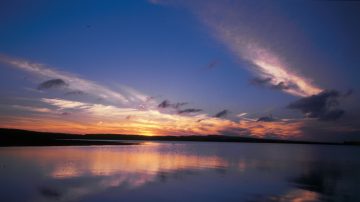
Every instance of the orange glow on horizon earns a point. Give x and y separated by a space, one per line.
183 126
107 119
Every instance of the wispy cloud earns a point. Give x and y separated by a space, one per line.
242 114
128 112
264 62
64 104
73 82
32 108
232 24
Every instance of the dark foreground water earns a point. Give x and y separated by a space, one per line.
181 172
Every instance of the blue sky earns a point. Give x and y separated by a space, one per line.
253 57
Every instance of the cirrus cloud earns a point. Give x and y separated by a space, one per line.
58 78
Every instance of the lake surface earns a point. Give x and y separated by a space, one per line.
181 171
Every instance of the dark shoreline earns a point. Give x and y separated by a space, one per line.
63 143
16 137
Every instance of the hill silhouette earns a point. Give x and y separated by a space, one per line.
17 137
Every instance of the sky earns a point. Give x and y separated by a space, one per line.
266 69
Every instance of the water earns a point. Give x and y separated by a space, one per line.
176 171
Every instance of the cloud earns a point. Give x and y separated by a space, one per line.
32 109
260 81
176 107
234 24
52 83
85 117
167 104
221 113
190 110
269 67
75 83
268 82
266 119
323 106
242 114
64 104
279 129
89 111
164 104
122 120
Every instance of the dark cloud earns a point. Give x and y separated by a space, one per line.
323 106
52 83
266 119
260 81
190 110
221 114
167 104
268 82
177 107
199 120
164 104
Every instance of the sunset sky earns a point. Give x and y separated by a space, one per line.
269 69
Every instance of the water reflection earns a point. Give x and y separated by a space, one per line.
180 172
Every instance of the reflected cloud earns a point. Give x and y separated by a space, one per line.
294 172
109 161
296 196
100 168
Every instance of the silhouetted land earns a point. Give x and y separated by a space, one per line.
16 137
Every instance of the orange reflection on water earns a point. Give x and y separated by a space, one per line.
67 162
297 195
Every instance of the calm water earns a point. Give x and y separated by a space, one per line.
181 172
